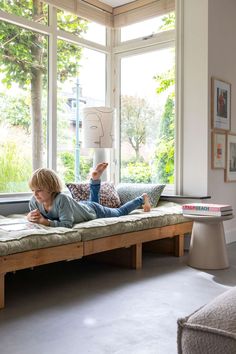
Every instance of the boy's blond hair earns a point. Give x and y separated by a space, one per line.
45 179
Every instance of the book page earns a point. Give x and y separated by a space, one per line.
18 225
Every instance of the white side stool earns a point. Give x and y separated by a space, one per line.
207 247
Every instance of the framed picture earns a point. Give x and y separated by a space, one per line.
218 150
220 104
230 172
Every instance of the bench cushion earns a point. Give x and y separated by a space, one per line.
211 329
167 213
35 238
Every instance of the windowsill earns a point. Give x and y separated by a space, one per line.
25 199
174 196
15 200
18 198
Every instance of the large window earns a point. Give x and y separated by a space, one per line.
147 117
147 110
53 64
27 107
23 103
85 87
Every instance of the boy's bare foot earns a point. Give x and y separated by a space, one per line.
100 168
146 205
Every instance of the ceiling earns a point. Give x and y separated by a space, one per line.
116 3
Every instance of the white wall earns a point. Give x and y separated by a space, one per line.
222 64
195 97
209 50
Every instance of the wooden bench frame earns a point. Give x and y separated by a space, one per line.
132 240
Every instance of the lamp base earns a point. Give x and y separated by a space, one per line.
98 157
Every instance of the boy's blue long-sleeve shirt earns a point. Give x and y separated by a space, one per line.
65 211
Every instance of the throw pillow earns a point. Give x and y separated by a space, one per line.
108 194
129 191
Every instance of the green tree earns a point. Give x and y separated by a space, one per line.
15 112
165 80
24 54
68 160
164 155
136 172
168 21
164 161
136 114
11 163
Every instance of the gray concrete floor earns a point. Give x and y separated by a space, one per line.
81 307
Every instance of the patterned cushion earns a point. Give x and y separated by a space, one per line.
129 191
108 194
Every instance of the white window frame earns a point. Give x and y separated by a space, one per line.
124 49
53 35
114 51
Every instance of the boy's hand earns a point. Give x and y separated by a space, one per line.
42 220
36 217
33 215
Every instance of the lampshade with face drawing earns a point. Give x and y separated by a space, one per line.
98 127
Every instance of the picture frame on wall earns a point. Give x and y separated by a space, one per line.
218 141
230 171
221 104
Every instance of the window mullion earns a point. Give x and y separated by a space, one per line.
52 91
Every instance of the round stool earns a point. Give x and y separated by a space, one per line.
207 247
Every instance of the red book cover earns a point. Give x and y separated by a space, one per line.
206 207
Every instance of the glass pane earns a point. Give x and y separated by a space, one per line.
23 102
148 27
33 10
147 117
95 33
84 83
82 28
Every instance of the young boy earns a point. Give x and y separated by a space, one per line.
50 207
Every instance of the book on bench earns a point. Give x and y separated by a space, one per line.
18 225
207 209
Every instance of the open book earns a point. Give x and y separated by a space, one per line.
17 225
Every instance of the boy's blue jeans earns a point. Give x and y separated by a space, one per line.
105 212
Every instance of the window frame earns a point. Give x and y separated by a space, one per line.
53 35
121 50
114 51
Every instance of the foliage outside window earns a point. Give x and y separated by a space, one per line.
148 115
23 101
34 10
147 129
88 30
73 161
23 93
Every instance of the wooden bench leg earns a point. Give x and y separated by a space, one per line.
136 256
179 245
2 290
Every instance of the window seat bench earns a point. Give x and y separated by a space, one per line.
32 247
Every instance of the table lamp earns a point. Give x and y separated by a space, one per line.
98 132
